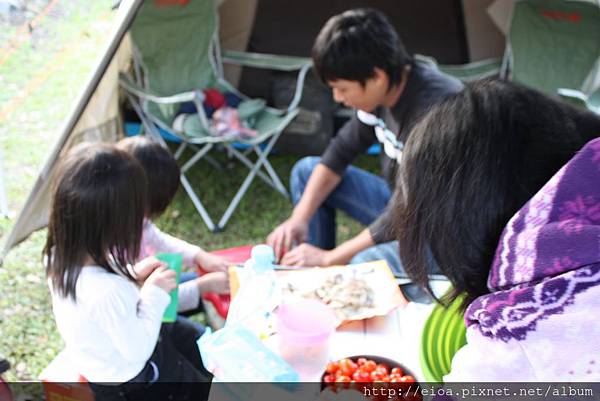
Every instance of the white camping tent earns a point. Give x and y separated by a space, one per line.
95 115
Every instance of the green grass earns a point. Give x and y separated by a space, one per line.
28 336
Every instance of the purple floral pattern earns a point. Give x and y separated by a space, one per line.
548 253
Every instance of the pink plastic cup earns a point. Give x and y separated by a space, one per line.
304 327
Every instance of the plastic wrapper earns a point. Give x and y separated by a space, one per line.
221 352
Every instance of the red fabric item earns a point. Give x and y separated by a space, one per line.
213 98
238 254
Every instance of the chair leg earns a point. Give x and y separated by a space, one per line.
196 157
208 158
242 158
278 184
199 206
180 149
262 157
238 196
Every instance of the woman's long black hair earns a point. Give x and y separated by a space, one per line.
97 211
469 166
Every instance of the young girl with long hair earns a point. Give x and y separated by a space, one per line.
110 317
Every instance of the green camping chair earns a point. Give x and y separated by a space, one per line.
176 56
554 46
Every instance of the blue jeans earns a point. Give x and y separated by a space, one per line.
362 196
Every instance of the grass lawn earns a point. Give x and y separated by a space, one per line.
41 77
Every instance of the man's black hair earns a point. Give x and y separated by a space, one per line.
351 44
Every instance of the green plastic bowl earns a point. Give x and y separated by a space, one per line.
444 333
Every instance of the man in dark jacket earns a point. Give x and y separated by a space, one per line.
360 56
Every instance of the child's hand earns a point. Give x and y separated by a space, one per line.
145 267
164 278
217 282
211 263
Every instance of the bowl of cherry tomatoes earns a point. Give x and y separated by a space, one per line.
371 374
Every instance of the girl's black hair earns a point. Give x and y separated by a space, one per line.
469 166
351 44
97 211
161 171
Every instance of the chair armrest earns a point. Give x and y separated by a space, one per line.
274 62
466 72
267 61
578 98
473 71
127 84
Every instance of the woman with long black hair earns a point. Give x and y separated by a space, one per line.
494 157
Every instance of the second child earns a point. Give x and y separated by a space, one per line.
163 173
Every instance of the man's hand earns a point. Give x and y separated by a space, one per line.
145 267
306 255
286 234
211 263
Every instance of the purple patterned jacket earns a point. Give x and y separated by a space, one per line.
541 321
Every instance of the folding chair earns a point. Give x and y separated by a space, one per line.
177 55
554 46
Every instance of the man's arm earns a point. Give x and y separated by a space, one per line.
351 140
295 229
320 184
344 252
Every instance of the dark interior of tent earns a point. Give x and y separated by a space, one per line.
434 28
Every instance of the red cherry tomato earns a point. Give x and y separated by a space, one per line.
362 377
407 379
347 367
344 380
329 379
377 375
361 361
370 366
332 367
397 371
383 368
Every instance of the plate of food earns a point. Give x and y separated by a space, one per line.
353 292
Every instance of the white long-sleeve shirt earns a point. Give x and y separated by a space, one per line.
155 241
112 329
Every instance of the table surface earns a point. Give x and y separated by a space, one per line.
396 336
